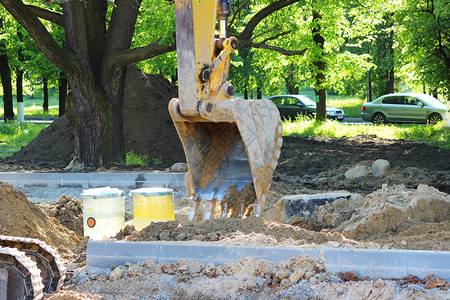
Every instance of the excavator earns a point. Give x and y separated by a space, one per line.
231 145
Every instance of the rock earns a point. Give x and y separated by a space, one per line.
182 266
165 235
179 167
116 274
150 264
333 244
380 168
372 245
181 237
136 270
282 274
357 172
212 236
168 268
305 205
296 276
433 282
350 276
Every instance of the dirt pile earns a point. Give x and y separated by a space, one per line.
394 209
298 278
68 211
27 220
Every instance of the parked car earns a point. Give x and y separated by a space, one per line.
404 108
292 105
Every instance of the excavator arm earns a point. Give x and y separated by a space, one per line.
229 143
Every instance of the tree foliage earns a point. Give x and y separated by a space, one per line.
425 38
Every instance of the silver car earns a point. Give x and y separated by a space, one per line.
404 108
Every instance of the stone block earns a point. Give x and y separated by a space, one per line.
303 206
357 172
380 168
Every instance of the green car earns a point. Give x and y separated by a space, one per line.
404 108
292 105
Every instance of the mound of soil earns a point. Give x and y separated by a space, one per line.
234 231
68 211
27 220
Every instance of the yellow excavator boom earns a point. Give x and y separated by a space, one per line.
229 143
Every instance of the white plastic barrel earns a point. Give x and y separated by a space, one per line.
103 212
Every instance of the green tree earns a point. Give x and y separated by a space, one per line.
96 51
425 36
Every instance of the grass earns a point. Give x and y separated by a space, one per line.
435 135
14 136
33 107
141 159
351 106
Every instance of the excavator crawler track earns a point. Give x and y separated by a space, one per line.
45 257
24 279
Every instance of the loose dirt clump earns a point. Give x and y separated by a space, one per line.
238 203
22 218
72 295
68 211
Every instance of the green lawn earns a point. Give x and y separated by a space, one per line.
14 136
434 135
33 107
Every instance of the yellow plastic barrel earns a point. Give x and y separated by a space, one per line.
103 212
152 205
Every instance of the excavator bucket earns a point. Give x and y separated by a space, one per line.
231 145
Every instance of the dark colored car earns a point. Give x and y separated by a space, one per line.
292 105
404 108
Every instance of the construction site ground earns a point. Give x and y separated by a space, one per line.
408 208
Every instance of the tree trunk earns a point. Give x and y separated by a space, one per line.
19 72
95 102
435 93
5 72
320 66
390 81
245 93
369 86
62 93
258 93
290 87
45 90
